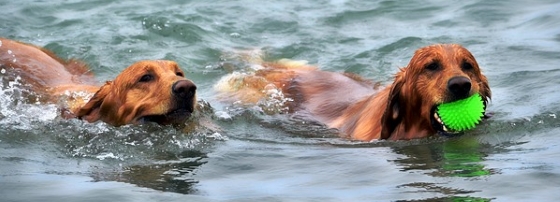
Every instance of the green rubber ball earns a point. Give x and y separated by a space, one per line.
462 114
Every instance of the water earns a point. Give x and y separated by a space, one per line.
512 157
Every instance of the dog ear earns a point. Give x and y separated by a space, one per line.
98 106
394 110
486 94
485 91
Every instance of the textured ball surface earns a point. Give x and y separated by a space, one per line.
462 114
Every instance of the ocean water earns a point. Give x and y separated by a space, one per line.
511 157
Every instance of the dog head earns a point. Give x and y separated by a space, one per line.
147 91
436 74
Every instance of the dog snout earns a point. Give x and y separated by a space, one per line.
459 87
184 89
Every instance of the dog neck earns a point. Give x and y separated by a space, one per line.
72 97
361 121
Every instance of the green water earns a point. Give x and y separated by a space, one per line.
512 157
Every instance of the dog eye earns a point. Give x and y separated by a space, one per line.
180 74
146 78
466 66
433 66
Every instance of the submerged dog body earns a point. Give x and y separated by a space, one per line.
147 91
403 110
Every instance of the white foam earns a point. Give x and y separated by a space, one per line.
223 115
106 155
218 136
235 34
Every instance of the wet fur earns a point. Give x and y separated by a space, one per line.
354 105
122 101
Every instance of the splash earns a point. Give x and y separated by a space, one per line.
243 66
19 107
274 101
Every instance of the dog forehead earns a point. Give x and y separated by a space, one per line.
445 53
153 65
438 51
457 51
167 64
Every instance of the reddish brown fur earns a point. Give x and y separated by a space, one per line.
353 105
124 100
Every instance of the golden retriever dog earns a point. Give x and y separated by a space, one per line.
359 108
147 91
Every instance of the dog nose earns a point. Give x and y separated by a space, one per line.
459 86
184 89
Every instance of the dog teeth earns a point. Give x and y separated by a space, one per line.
436 116
445 129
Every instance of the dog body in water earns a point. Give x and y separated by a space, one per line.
405 109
